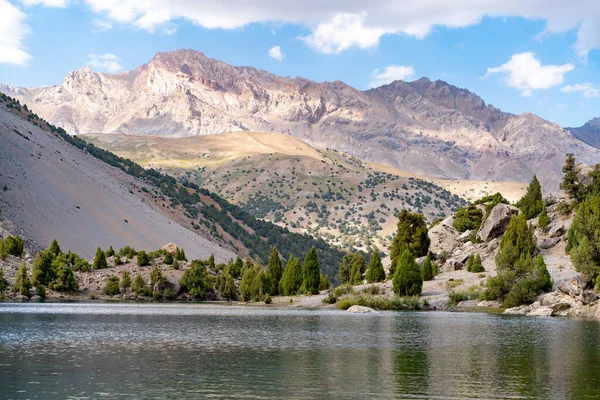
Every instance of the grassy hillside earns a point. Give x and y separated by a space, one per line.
279 178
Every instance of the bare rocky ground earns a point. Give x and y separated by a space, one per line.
50 189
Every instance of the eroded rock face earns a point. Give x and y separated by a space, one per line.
170 248
444 237
497 222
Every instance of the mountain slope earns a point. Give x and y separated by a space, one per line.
282 179
588 133
53 190
424 127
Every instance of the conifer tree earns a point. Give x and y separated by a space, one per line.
112 286
110 252
358 268
260 285
274 271
194 279
407 279
168 259
532 204
65 278
3 252
292 278
544 219
3 281
54 249
125 282
138 284
570 183
247 283
229 291
311 272
43 271
142 258
211 261
411 235
427 270
100 260
175 264
236 272
22 282
375 272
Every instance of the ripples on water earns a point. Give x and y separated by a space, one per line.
156 351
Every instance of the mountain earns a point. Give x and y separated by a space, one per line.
425 127
588 133
58 186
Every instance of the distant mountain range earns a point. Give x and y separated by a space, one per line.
424 127
588 133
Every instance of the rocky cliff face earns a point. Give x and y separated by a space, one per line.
424 127
588 133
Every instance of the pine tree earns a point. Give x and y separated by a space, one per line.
407 277
247 283
157 279
260 285
168 259
274 271
3 281
544 219
411 235
3 252
375 272
100 260
112 286
43 271
125 282
138 284
427 270
476 265
175 264
236 272
180 255
359 266
110 252
470 262
311 272
532 204
54 249
517 240
194 279
65 278
292 278
142 258
211 262
22 282
570 183
229 291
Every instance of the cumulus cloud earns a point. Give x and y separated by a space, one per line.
107 62
12 33
391 73
526 73
588 90
337 25
275 52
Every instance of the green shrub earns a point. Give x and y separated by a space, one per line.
3 281
22 282
40 290
65 279
375 272
544 219
268 299
13 245
583 244
125 282
193 279
112 286
142 259
138 284
168 259
474 264
407 279
468 218
454 298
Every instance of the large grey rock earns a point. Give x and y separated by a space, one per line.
541 311
557 230
443 237
497 222
573 287
549 243
453 265
360 309
464 237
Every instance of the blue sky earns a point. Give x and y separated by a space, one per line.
541 58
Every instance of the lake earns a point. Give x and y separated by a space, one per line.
194 351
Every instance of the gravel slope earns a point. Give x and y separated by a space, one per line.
57 191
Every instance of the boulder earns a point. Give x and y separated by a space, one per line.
541 311
549 243
490 304
452 265
443 237
420 261
497 222
587 297
557 230
573 287
464 237
360 309
170 248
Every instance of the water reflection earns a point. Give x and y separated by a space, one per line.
54 351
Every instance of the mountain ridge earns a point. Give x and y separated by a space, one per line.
426 127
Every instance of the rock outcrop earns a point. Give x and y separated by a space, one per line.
497 222
360 309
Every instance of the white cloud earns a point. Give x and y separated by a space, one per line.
342 32
337 25
526 73
46 3
275 52
389 74
102 24
107 62
12 33
589 90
